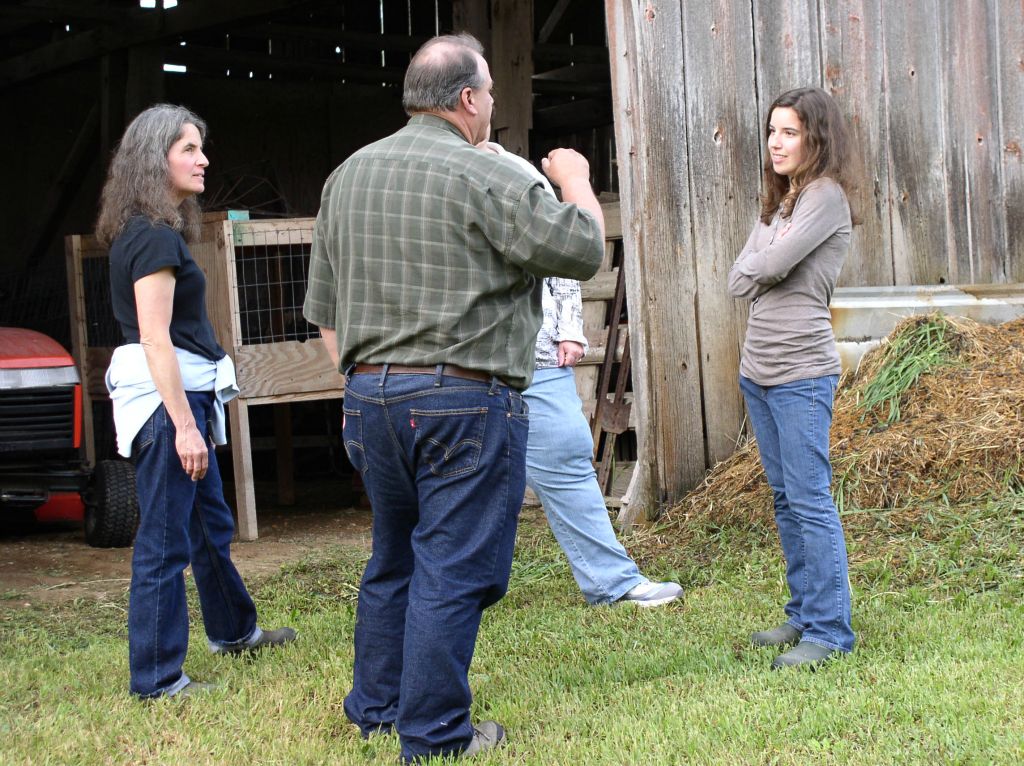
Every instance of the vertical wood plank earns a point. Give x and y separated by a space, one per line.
723 131
645 48
471 16
854 74
787 42
241 459
972 150
916 124
511 63
1010 41
285 453
77 318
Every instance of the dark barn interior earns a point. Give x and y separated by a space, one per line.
289 88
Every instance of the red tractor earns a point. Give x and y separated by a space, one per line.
41 465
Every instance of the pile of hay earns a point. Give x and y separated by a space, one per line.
936 413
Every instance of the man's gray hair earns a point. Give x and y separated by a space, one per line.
438 72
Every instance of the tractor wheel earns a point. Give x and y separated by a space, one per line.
112 510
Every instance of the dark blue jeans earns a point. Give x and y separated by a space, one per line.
443 462
791 423
180 521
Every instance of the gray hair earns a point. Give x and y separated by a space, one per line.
438 72
138 182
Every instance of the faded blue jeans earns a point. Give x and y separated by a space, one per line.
180 522
560 470
791 423
443 462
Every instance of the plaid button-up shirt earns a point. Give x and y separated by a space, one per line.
429 251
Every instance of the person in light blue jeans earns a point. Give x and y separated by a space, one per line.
559 467
790 366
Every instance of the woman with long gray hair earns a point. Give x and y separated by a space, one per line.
168 385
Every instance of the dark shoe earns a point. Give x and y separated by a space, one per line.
487 735
784 635
803 655
192 688
277 637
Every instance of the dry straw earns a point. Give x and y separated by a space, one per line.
936 413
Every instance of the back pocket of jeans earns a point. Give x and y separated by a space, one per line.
352 433
450 441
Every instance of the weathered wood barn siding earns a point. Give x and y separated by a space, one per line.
935 95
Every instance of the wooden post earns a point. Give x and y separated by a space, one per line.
511 62
241 456
648 91
471 16
285 453
79 338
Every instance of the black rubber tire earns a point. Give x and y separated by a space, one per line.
112 509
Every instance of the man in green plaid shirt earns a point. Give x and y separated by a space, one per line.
425 279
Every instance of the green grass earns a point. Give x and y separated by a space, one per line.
935 679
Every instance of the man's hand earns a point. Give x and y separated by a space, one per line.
564 166
569 353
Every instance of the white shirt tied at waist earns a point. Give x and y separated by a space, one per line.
135 398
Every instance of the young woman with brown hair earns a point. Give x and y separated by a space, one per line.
790 366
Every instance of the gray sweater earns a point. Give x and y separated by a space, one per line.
789 269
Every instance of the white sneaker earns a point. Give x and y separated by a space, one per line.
650 593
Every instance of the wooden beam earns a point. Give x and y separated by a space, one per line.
64 187
581 114
63 12
556 54
553 20
362 40
145 28
512 70
472 16
196 56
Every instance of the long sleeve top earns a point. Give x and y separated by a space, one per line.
788 269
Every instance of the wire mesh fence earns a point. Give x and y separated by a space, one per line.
271 269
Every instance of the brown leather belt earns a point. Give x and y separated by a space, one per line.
452 370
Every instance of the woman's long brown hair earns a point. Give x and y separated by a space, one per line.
826 148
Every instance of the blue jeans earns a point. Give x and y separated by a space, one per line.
560 470
791 423
443 462
180 521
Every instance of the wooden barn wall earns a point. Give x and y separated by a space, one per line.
935 96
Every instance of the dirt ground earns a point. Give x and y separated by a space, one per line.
53 564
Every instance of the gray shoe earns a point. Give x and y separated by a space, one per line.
487 735
276 637
192 688
784 635
803 655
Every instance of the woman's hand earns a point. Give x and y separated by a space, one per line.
192 451
569 353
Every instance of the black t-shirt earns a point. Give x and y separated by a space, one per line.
143 248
